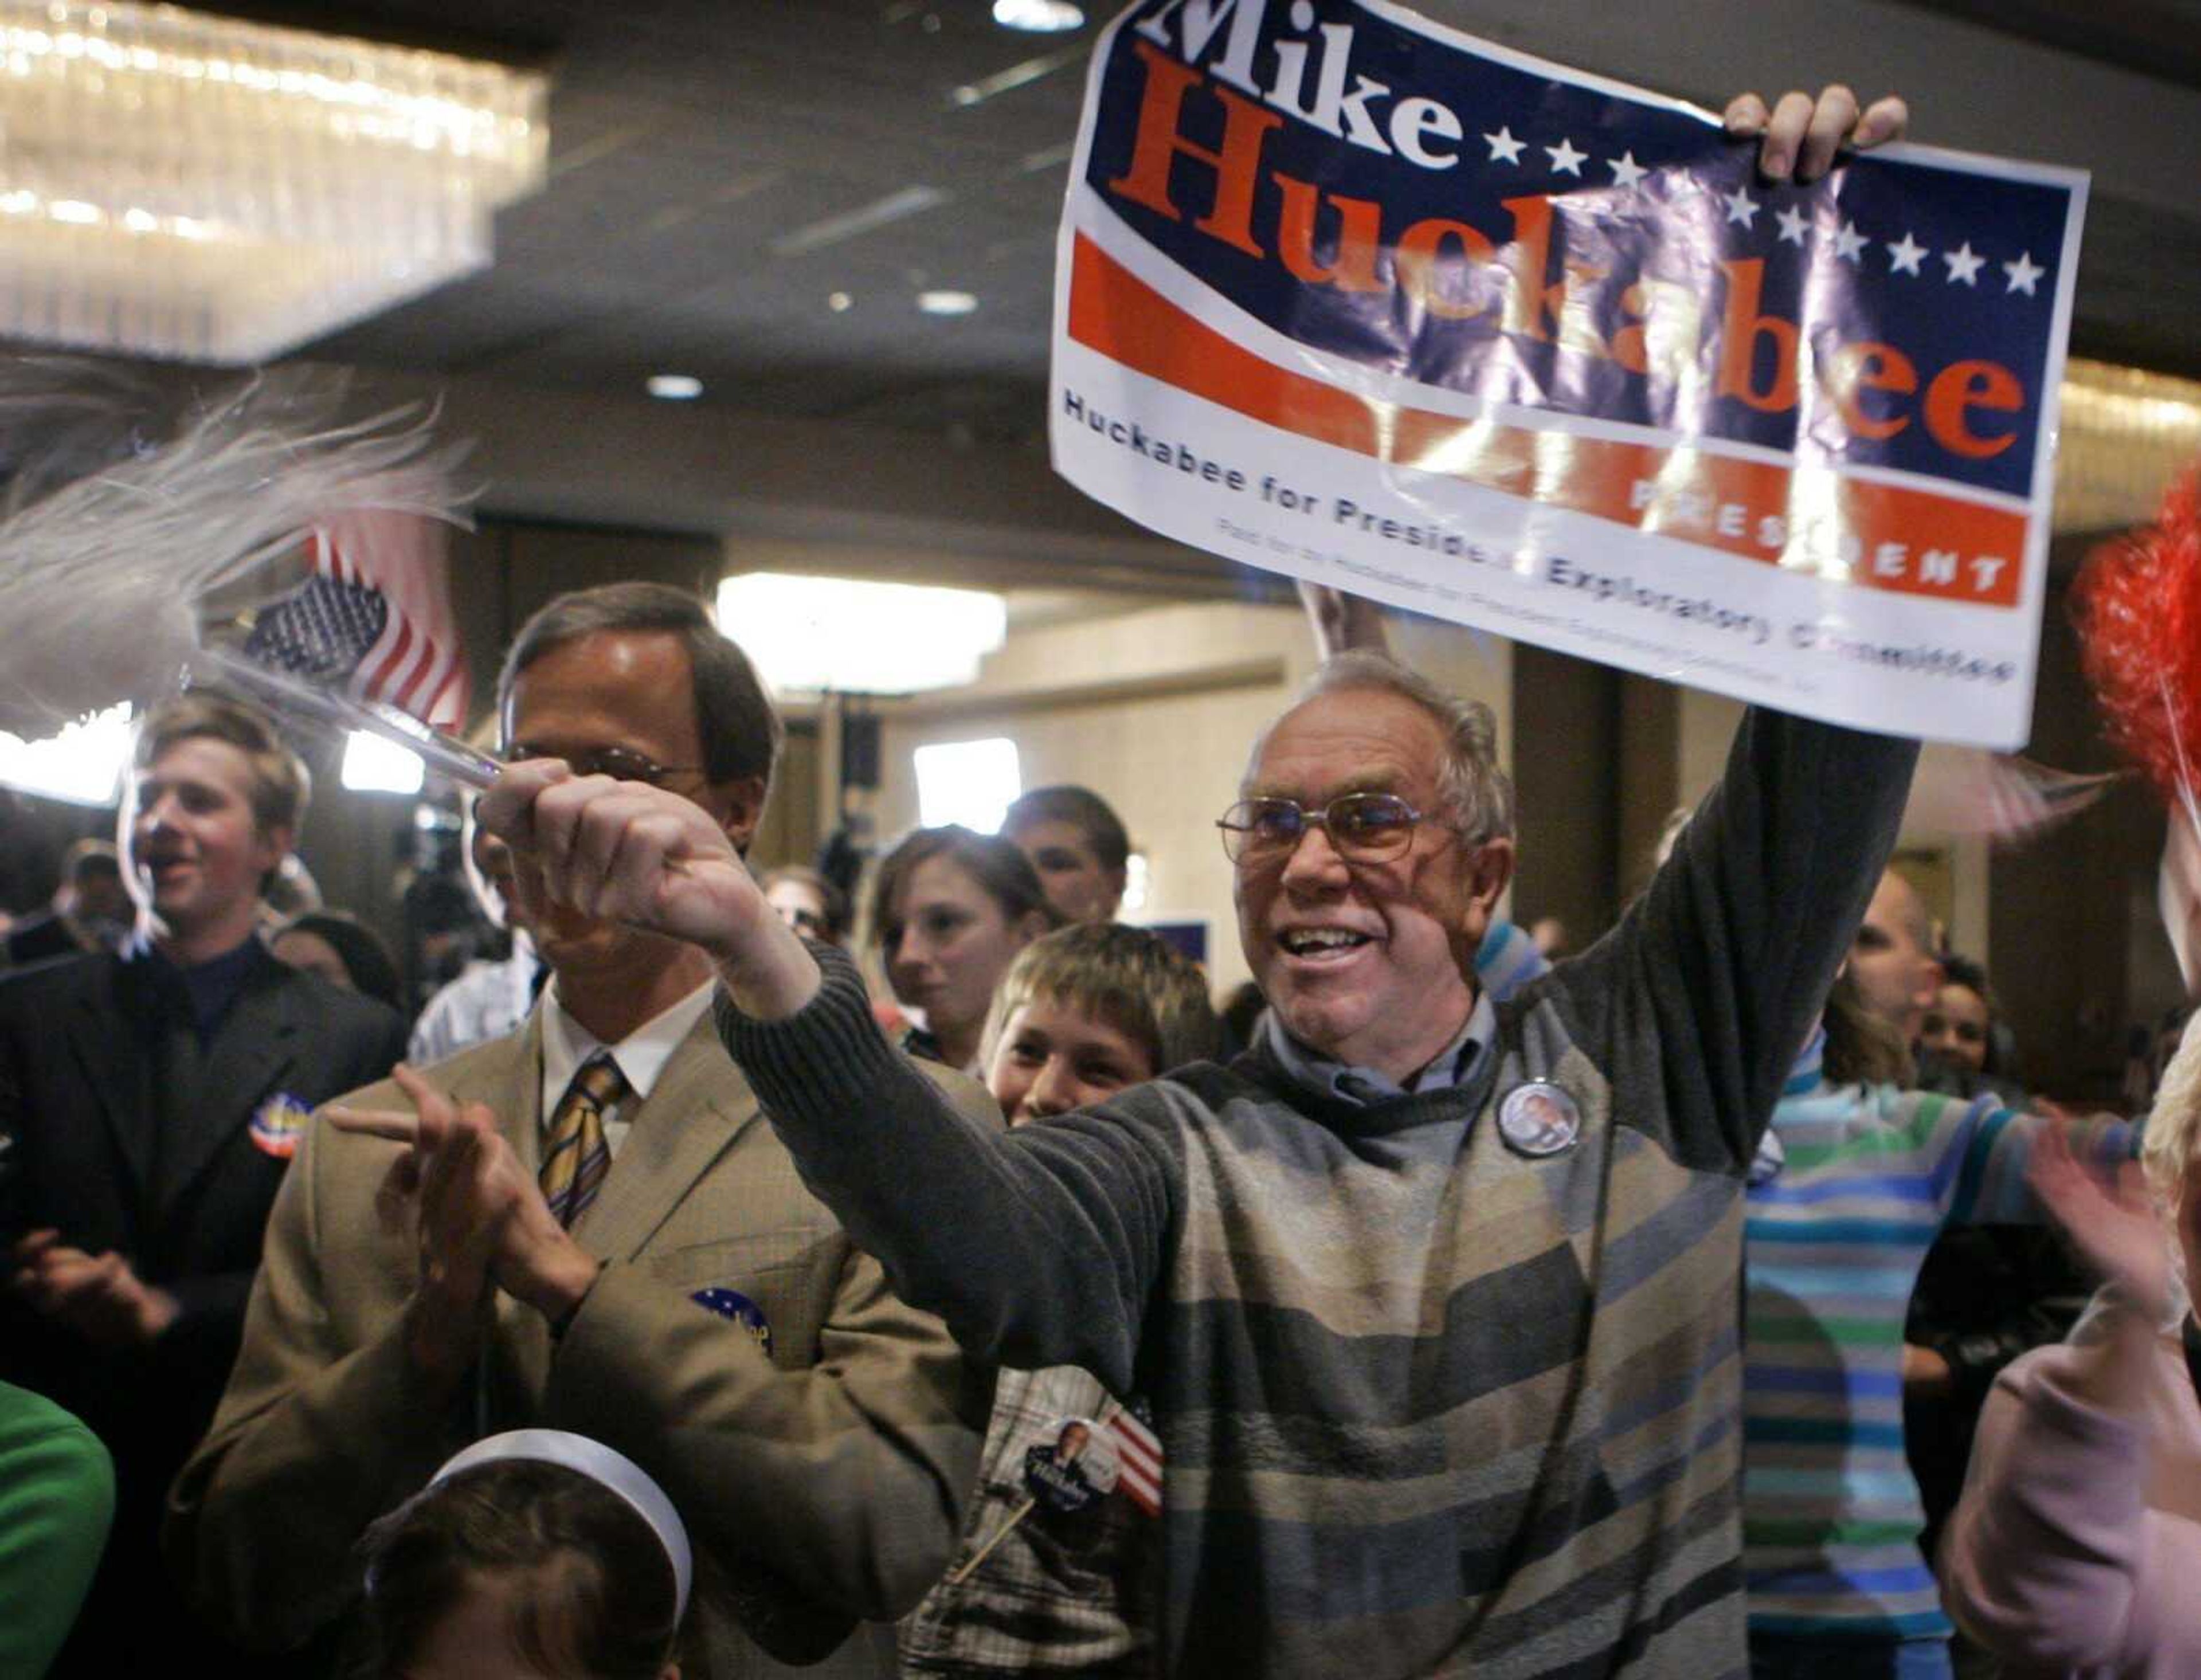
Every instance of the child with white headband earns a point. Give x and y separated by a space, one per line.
531 1556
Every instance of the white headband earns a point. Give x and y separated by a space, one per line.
600 1463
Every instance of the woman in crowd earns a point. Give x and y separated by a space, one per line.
531 1554
2079 1527
1851 1184
1960 1033
950 910
342 950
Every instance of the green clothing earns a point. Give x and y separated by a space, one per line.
56 1499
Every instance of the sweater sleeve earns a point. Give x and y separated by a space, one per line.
1700 1002
1990 1187
1038 1246
2054 1558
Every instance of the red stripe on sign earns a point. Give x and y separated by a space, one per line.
1808 519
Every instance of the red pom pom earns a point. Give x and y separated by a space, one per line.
2138 603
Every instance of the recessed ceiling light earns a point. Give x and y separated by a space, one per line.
1043 17
946 302
675 387
840 303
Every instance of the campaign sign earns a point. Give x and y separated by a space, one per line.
1349 295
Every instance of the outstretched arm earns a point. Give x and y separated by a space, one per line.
1038 1248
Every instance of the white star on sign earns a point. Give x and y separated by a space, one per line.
1504 148
1963 264
1849 244
2022 273
1626 171
1904 258
1794 224
1742 208
1565 159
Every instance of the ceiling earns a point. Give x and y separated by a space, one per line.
721 169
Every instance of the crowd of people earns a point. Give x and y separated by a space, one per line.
668 1300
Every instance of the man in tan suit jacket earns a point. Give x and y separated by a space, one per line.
704 1314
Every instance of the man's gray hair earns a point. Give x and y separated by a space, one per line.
735 719
1477 795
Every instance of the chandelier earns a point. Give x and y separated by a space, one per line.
175 183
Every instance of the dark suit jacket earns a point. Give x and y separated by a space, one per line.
78 1106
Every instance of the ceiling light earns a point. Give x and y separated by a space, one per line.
373 764
211 189
676 387
1041 17
854 636
946 302
972 783
840 303
82 764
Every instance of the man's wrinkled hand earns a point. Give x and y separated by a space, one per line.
627 852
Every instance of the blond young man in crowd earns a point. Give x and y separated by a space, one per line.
1069 1585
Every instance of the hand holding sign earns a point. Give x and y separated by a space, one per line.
1800 135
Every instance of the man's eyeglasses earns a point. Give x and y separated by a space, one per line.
1362 827
621 764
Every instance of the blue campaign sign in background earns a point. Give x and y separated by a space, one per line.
1478 223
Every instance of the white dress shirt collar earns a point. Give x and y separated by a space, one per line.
641 1055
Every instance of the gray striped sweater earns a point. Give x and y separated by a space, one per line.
1427 1406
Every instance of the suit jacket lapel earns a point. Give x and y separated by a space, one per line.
699 1107
254 1048
105 1031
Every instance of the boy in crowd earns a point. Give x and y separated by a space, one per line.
1069 1584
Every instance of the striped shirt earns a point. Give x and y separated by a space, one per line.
1867 1176
1074 1591
1428 1405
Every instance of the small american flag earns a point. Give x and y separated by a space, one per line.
375 615
1139 1455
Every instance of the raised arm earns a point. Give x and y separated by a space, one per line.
1702 997
1038 1248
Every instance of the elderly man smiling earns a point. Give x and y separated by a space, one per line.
1436 1301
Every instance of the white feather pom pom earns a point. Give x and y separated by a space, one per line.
102 575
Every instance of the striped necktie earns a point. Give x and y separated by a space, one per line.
575 1157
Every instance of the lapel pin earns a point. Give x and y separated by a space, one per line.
278 1124
734 1305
